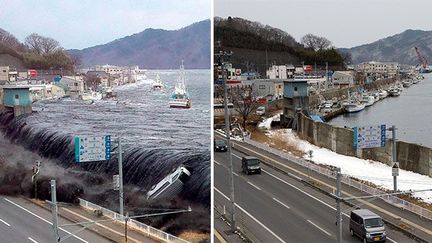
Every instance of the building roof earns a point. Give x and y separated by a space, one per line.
16 87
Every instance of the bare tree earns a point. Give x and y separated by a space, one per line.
92 81
245 102
10 41
314 42
42 45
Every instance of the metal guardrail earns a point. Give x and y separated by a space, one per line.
393 200
150 231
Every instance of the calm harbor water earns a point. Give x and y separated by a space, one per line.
410 113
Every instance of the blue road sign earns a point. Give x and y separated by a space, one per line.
369 136
92 148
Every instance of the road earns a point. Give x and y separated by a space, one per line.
276 207
23 221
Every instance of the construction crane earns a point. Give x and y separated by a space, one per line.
421 58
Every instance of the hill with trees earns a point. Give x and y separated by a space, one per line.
37 52
255 46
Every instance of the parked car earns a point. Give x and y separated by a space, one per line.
251 165
260 110
220 145
367 225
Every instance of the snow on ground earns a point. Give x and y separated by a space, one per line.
375 172
266 123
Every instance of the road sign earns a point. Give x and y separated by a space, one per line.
395 169
92 148
370 136
116 182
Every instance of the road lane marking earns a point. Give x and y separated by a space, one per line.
4 222
363 201
252 217
235 174
250 183
217 162
235 155
219 237
32 240
319 227
39 217
283 204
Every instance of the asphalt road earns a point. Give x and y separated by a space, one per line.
23 221
275 207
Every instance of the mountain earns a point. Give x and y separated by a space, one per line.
396 48
154 49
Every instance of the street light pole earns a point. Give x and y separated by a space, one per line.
54 211
228 137
338 205
120 165
393 129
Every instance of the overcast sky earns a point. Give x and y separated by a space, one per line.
84 23
346 23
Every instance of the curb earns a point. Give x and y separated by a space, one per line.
407 233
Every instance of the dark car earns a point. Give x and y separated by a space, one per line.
251 165
220 145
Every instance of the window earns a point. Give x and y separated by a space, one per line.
295 88
16 96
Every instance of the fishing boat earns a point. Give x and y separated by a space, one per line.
406 83
368 100
354 106
157 84
383 94
180 97
394 92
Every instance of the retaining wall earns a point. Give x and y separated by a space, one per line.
412 157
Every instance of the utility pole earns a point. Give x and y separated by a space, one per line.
338 205
228 137
395 167
36 170
120 165
54 211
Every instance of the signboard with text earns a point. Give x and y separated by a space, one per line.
370 136
92 148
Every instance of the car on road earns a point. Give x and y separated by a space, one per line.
367 225
251 165
220 145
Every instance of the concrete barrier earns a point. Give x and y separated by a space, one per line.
412 157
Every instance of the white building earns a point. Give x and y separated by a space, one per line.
379 69
74 84
284 71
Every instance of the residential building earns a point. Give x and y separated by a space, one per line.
4 73
271 89
379 69
343 78
73 84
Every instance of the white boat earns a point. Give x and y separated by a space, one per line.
157 84
394 92
180 97
368 100
93 95
406 83
383 94
354 106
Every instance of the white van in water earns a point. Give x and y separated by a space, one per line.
171 185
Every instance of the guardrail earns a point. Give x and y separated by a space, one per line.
393 200
147 229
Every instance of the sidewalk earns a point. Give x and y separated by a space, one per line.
222 231
111 230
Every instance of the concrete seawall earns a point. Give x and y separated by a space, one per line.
412 157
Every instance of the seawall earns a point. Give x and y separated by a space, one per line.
412 157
